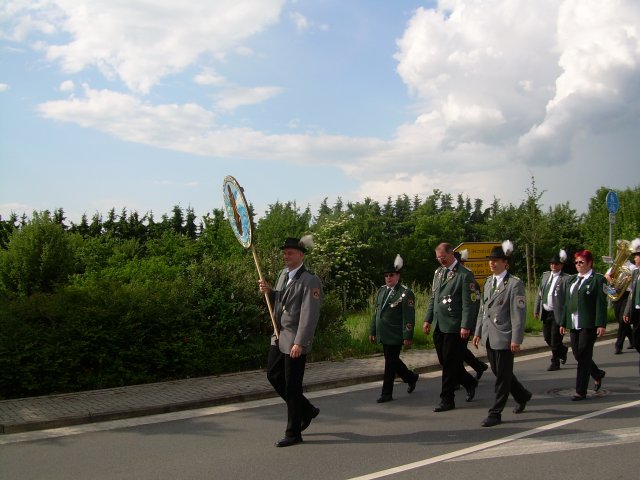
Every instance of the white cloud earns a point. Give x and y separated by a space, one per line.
209 77
190 128
598 89
67 86
233 98
300 21
4 87
140 42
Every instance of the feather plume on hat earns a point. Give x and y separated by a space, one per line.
635 245
398 262
507 247
307 241
563 255
464 255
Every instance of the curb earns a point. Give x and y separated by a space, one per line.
133 412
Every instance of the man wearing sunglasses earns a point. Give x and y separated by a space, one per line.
392 326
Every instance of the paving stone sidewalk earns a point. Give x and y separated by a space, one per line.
53 411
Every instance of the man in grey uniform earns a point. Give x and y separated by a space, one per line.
500 325
296 302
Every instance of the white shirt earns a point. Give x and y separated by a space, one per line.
548 302
575 319
292 273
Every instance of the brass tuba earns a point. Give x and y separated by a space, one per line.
620 274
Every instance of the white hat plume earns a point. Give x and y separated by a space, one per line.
562 255
307 241
464 255
507 247
635 245
398 262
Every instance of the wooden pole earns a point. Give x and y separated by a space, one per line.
266 294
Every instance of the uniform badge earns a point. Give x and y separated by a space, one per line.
315 293
520 301
411 302
474 296
409 326
472 287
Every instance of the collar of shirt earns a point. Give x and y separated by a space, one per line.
500 278
453 265
586 275
292 273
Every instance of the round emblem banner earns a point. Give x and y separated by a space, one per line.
237 211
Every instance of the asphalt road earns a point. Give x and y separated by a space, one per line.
354 437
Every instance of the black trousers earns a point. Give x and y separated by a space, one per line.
394 366
471 360
582 342
450 349
624 329
635 329
501 362
286 375
551 333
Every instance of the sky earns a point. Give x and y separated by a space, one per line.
148 104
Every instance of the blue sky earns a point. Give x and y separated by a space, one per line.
149 104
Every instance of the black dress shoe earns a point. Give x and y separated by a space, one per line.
553 367
491 421
618 351
384 398
288 441
444 407
577 398
412 384
519 408
471 392
307 421
480 372
598 383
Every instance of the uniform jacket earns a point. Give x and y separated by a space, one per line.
592 302
630 310
296 307
454 300
394 317
558 295
502 317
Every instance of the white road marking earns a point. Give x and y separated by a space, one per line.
483 446
559 443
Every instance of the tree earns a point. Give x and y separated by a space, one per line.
339 260
39 256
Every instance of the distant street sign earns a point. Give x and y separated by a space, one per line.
480 268
477 250
477 260
613 205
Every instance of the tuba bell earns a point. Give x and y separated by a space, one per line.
620 274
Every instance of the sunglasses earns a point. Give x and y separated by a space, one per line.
579 262
389 274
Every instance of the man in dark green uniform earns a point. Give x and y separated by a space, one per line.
392 326
451 308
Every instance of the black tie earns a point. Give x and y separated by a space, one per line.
494 286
